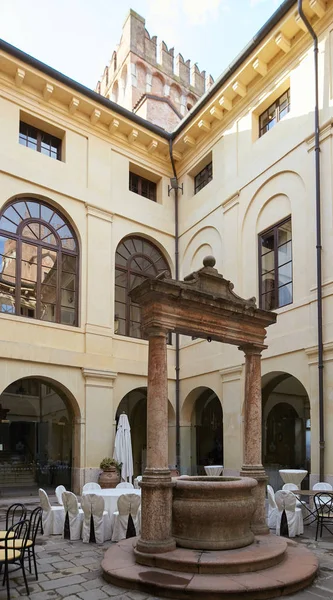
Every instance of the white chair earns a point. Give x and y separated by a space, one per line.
59 492
96 520
125 484
290 487
91 487
272 508
127 504
53 517
73 517
286 500
322 486
137 481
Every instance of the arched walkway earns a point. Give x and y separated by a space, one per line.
204 410
134 404
286 440
36 435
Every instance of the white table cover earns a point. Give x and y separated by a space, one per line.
293 476
111 496
214 470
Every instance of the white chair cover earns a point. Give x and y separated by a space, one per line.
53 517
93 506
125 484
286 500
59 492
290 487
91 487
137 481
321 485
127 504
75 515
272 508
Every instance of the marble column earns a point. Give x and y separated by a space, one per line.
252 465
156 485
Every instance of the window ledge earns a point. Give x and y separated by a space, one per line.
40 323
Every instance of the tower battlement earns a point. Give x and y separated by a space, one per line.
149 67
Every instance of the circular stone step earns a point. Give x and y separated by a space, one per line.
296 571
266 551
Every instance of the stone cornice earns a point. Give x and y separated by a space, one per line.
99 378
93 211
231 373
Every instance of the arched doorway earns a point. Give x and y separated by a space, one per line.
286 425
36 425
134 404
206 431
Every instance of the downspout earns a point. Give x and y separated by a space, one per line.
318 250
177 368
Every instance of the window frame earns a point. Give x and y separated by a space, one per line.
275 229
152 185
41 246
207 172
277 117
128 269
55 142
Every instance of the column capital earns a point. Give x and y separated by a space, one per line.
251 350
156 331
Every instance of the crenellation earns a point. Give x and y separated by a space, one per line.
183 70
136 69
166 58
150 53
198 80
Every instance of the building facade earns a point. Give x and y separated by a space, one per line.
87 213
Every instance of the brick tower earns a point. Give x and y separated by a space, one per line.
148 80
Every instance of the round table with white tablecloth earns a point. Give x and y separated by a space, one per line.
214 470
293 476
111 496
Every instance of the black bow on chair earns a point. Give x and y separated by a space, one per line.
130 531
284 529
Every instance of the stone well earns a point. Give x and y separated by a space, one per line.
213 513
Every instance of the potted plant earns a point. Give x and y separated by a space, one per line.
110 475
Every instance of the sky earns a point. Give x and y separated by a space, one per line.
77 37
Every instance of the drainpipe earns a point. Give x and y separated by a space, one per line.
318 250
177 368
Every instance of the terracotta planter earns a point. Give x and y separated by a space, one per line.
213 513
109 478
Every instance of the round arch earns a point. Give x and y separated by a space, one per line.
286 438
134 404
38 437
39 264
201 430
136 259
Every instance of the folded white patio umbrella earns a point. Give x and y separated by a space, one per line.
123 448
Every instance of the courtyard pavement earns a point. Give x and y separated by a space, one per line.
71 570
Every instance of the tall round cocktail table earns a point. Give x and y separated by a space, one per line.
293 476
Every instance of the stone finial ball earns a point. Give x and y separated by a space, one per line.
209 261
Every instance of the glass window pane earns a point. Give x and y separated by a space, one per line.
48 294
69 263
34 209
68 281
48 312
284 253
68 244
47 236
13 215
7 247
268 301
56 221
21 208
285 294
285 274
7 225
68 298
31 231
46 213
267 262
29 266
67 315
7 275
284 233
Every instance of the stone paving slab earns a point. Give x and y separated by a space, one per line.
71 570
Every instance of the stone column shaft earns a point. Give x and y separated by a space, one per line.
252 465
156 509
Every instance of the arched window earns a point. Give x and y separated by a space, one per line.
38 263
137 259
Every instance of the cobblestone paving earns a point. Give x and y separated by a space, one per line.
71 570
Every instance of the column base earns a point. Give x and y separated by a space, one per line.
156 512
258 525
